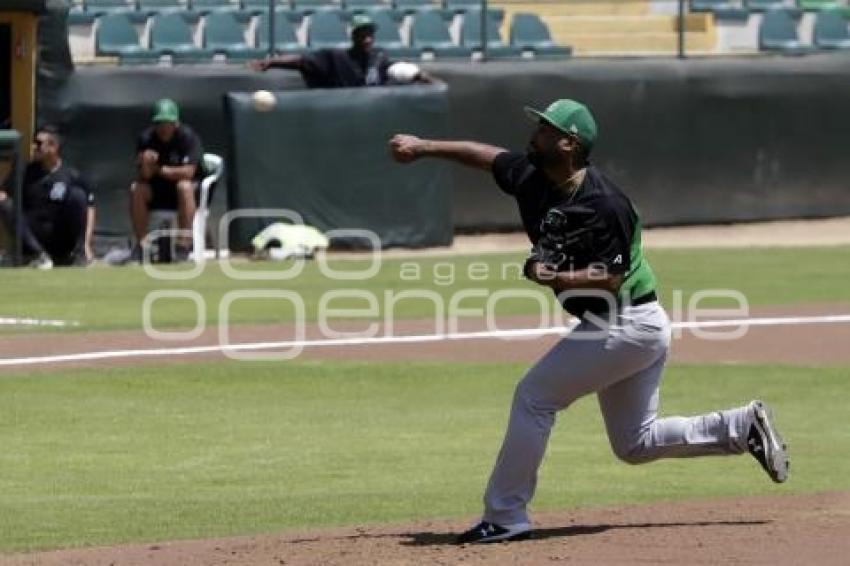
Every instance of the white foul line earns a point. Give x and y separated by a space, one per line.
13 321
484 334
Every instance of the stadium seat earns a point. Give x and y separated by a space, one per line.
764 5
223 34
77 16
109 6
778 32
414 5
100 7
818 5
286 41
360 5
153 7
528 32
722 9
310 6
831 30
470 34
430 32
327 29
462 5
260 6
170 34
207 6
115 36
203 7
161 6
387 35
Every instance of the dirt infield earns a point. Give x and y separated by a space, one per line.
792 344
811 529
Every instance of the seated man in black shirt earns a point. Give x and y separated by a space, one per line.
360 65
58 207
169 169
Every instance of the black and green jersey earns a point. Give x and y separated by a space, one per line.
599 223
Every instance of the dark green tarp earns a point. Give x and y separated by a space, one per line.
324 154
695 141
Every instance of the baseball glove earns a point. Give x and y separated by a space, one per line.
559 247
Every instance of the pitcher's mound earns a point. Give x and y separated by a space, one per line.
809 529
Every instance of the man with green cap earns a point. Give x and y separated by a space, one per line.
360 65
586 247
169 168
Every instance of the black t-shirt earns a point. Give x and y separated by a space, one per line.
596 224
343 68
184 148
43 189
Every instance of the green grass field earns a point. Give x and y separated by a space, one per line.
198 450
142 454
111 298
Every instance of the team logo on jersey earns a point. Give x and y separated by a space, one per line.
57 192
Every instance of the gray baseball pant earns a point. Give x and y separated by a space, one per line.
622 362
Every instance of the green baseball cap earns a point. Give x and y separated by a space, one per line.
570 117
165 110
361 21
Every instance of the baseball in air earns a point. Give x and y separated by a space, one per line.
264 101
403 73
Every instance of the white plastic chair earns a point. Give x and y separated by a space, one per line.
214 168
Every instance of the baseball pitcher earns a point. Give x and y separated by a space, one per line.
586 246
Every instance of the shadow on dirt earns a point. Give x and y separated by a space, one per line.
439 539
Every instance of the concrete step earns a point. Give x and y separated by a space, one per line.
613 26
588 44
627 24
579 7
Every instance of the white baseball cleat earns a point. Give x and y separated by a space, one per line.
765 444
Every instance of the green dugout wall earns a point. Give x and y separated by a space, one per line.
699 140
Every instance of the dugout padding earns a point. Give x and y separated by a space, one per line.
102 110
700 140
325 155
694 141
